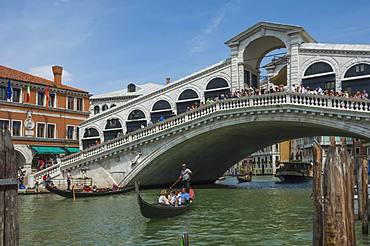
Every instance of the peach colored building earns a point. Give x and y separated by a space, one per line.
42 115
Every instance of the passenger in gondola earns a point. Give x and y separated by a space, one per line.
172 198
115 187
183 197
163 199
94 188
87 188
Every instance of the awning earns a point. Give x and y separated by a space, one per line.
72 150
42 150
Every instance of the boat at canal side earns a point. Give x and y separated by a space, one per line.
157 211
242 178
82 194
295 171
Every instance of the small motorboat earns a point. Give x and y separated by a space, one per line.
294 171
157 211
242 178
78 193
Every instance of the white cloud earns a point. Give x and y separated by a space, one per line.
46 72
200 41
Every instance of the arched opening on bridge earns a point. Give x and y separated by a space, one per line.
357 78
319 74
20 159
112 106
161 110
187 99
217 88
136 119
105 107
96 109
113 129
267 50
90 138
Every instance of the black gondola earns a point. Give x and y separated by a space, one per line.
156 211
81 194
242 178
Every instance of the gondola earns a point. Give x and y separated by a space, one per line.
157 211
82 194
242 178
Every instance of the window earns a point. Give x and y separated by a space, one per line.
70 130
317 68
105 107
51 100
4 124
16 128
40 98
357 151
40 130
70 103
2 93
188 94
16 95
77 132
79 104
51 131
96 110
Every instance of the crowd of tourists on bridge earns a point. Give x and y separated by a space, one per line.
280 88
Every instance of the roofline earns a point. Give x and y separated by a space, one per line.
234 40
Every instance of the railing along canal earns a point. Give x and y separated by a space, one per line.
318 101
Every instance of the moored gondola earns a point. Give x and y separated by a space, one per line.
244 178
156 211
82 194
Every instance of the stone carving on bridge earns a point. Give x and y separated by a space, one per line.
136 159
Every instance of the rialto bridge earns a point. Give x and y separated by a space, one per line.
215 136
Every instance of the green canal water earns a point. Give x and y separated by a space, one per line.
259 213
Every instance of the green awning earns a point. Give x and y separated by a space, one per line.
42 150
72 150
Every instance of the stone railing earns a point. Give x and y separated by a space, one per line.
315 101
52 171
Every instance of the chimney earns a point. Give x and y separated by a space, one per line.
168 80
57 71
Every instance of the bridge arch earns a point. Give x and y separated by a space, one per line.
357 77
91 137
319 74
113 128
135 120
162 108
187 97
216 86
225 141
96 109
104 107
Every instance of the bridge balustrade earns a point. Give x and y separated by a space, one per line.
310 100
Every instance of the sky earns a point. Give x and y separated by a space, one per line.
105 44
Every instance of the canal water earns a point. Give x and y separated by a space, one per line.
258 213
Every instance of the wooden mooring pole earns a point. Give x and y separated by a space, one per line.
9 230
338 183
364 197
317 196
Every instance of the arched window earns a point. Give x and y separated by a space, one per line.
187 99
136 120
105 107
96 109
90 138
131 87
161 110
319 74
217 88
188 94
357 78
112 106
113 129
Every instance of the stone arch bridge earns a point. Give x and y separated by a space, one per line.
214 137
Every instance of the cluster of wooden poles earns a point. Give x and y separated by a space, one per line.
333 195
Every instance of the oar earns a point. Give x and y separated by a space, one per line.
175 182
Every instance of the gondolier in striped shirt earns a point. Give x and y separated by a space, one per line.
185 176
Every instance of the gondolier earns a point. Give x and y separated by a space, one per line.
185 174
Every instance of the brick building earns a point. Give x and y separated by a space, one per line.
42 115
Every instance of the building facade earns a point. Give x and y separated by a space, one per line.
42 115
